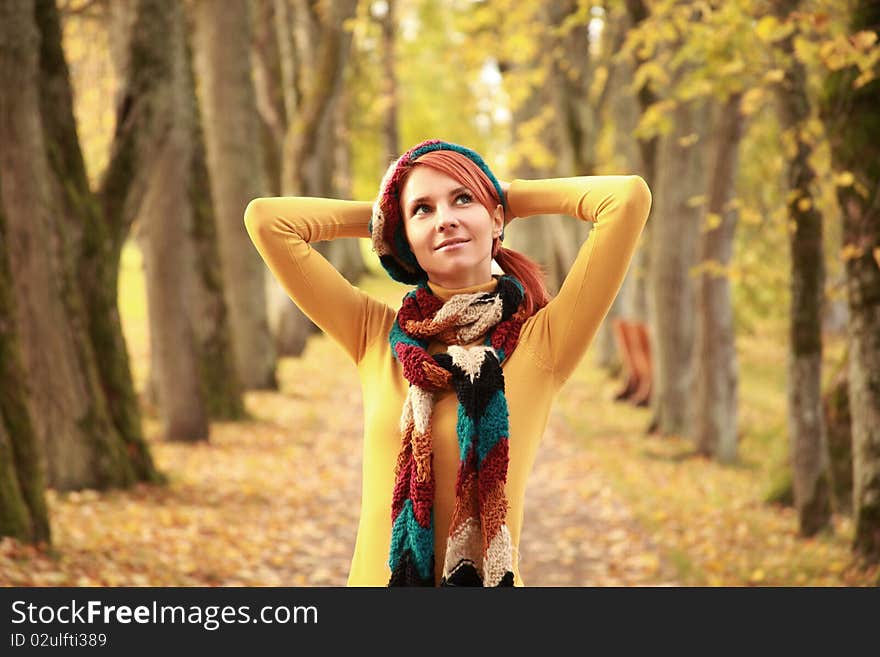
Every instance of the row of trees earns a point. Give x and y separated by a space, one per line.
312 98
692 80
184 167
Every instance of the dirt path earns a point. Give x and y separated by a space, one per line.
576 531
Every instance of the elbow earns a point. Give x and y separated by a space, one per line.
252 213
639 196
257 221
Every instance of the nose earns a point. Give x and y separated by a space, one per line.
445 217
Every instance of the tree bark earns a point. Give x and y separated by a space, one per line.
390 132
838 428
854 118
269 93
23 512
313 48
234 162
681 178
643 303
809 448
301 137
168 225
622 110
78 440
548 116
97 262
220 381
715 366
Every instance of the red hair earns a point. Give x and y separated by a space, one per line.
464 171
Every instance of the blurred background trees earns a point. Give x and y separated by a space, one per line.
136 131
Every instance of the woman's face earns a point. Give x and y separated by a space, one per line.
449 231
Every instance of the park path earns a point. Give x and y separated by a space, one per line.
275 502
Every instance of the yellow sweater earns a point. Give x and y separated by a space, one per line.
550 346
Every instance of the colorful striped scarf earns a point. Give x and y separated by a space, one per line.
478 548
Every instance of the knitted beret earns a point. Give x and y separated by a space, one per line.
386 225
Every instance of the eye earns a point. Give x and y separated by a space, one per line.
464 195
416 209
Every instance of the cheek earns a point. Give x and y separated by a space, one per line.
418 240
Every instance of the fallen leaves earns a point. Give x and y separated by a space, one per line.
708 519
275 501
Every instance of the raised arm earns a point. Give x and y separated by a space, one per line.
282 228
618 206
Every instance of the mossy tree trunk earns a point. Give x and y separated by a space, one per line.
78 439
91 238
23 513
853 115
806 426
220 380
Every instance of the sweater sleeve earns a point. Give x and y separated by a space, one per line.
282 230
618 206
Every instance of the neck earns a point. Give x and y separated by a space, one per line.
447 292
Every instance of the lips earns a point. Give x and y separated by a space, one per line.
450 242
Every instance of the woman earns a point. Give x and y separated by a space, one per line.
458 383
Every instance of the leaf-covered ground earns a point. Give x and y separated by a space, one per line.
274 501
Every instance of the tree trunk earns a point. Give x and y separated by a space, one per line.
622 109
313 51
268 91
856 148
531 237
838 427
643 302
23 512
390 132
91 243
715 366
681 178
559 116
78 440
318 84
208 310
234 162
809 448
168 226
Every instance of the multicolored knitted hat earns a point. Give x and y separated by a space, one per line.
386 225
